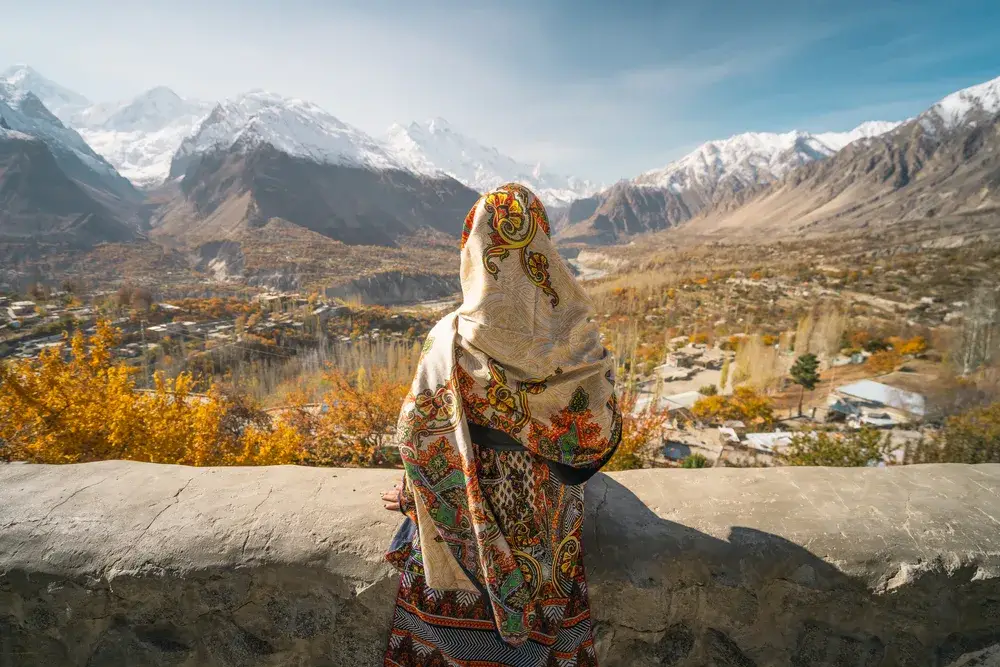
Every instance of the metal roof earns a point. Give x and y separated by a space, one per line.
883 394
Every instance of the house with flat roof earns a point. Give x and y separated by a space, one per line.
877 404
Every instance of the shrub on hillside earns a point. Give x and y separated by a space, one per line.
695 461
884 361
971 437
823 448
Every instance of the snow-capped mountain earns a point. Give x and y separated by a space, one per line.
969 105
436 147
292 126
62 102
754 157
867 130
140 136
148 112
24 112
937 167
714 171
260 157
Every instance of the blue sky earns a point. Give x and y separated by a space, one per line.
602 90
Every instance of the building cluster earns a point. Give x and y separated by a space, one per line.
865 403
20 314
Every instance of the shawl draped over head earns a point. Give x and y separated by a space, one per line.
522 356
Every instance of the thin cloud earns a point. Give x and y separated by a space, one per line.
599 91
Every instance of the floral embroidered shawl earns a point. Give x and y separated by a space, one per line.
520 355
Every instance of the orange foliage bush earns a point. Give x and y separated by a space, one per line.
858 338
885 361
358 421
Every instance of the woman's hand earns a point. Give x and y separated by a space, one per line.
391 498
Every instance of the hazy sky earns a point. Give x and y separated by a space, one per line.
603 90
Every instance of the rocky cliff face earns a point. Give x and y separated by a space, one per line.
225 194
39 203
916 172
117 563
394 288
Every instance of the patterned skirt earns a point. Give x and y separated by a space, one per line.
456 628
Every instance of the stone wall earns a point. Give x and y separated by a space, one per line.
112 564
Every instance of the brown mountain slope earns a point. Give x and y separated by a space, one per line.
623 210
911 173
39 203
225 194
646 204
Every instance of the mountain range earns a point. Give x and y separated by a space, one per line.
189 172
676 193
945 162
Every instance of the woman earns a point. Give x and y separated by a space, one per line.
511 410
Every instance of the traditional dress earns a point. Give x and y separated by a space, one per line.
511 409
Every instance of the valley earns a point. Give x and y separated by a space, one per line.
258 242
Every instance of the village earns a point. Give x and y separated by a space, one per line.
733 329
287 322
693 372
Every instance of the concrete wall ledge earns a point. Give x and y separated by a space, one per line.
129 564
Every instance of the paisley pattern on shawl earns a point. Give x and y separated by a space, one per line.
520 355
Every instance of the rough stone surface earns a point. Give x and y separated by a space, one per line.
115 563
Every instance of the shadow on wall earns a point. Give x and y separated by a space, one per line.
682 597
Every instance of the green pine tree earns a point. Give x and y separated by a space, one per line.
804 373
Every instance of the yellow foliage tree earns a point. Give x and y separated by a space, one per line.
358 421
745 405
884 361
82 406
914 346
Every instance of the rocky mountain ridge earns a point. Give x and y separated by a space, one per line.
670 196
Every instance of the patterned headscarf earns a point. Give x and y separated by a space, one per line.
520 355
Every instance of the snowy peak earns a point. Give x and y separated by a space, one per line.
151 111
140 136
969 105
867 130
436 147
22 111
755 157
61 101
293 126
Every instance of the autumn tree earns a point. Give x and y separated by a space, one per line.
884 361
828 331
84 406
914 346
805 374
359 418
745 405
757 363
823 448
640 429
804 332
971 437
